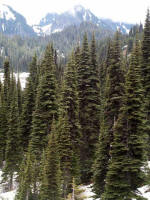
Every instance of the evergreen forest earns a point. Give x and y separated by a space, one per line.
82 121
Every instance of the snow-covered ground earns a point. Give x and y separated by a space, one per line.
23 76
8 195
87 191
88 194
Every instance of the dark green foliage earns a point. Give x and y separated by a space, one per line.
125 174
4 112
101 161
65 153
70 103
45 107
146 70
89 101
146 52
115 80
28 104
12 157
6 83
26 179
111 103
19 92
51 182
3 126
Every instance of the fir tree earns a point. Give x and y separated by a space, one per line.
13 137
51 182
65 153
70 103
3 126
146 70
29 103
26 187
112 102
45 107
7 83
146 52
4 112
89 101
19 92
125 174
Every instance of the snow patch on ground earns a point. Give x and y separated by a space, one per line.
145 191
8 195
88 194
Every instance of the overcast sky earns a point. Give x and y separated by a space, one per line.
132 11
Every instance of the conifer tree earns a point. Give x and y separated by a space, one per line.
13 137
95 94
70 103
51 181
19 92
146 70
4 112
7 83
89 101
146 52
125 174
29 103
112 102
26 187
45 107
65 153
3 126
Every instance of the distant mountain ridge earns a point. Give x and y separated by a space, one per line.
54 22
13 23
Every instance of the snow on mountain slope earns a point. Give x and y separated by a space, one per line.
13 23
5 13
75 16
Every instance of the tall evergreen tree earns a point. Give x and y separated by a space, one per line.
89 101
4 112
29 103
65 153
109 114
3 126
13 137
146 52
26 187
146 70
125 174
7 83
19 92
70 103
45 107
51 182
